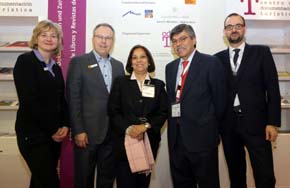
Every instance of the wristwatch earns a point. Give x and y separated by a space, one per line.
147 125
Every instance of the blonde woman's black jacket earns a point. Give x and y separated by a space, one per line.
42 105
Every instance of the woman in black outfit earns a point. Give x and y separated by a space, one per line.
137 104
42 117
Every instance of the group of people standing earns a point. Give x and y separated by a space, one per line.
233 94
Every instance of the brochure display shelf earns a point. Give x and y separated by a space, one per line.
15 32
8 97
17 20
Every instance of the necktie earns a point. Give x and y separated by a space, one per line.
236 55
182 80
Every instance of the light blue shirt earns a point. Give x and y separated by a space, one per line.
180 68
106 69
48 67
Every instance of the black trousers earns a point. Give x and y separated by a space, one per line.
260 153
189 169
87 159
127 179
42 160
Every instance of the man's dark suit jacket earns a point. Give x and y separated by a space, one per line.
88 96
257 86
126 106
202 103
42 105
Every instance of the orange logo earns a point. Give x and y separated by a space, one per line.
193 2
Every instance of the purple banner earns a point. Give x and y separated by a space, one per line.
71 15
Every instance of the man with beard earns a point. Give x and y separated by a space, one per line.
197 93
253 107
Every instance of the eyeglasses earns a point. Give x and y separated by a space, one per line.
180 40
103 37
236 27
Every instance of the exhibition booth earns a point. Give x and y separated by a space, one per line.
145 22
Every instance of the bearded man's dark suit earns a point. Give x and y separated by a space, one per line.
256 84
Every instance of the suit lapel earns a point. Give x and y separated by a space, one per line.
114 68
193 71
135 96
172 77
97 74
244 62
133 87
227 62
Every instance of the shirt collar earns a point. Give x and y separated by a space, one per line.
241 47
189 59
40 58
133 76
100 58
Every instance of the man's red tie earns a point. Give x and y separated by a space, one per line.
183 78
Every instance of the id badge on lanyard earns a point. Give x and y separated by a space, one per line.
175 110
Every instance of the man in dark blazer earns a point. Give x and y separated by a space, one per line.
197 105
89 81
253 106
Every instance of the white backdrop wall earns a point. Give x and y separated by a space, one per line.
128 17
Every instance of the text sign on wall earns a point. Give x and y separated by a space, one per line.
22 7
142 22
260 9
71 15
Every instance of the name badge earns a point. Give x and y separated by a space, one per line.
45 69
92 66
148 91
175 110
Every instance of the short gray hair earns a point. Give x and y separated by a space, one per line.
104 25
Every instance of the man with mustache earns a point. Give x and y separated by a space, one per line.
196 90
253 106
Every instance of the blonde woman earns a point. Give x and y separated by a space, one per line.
42 118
